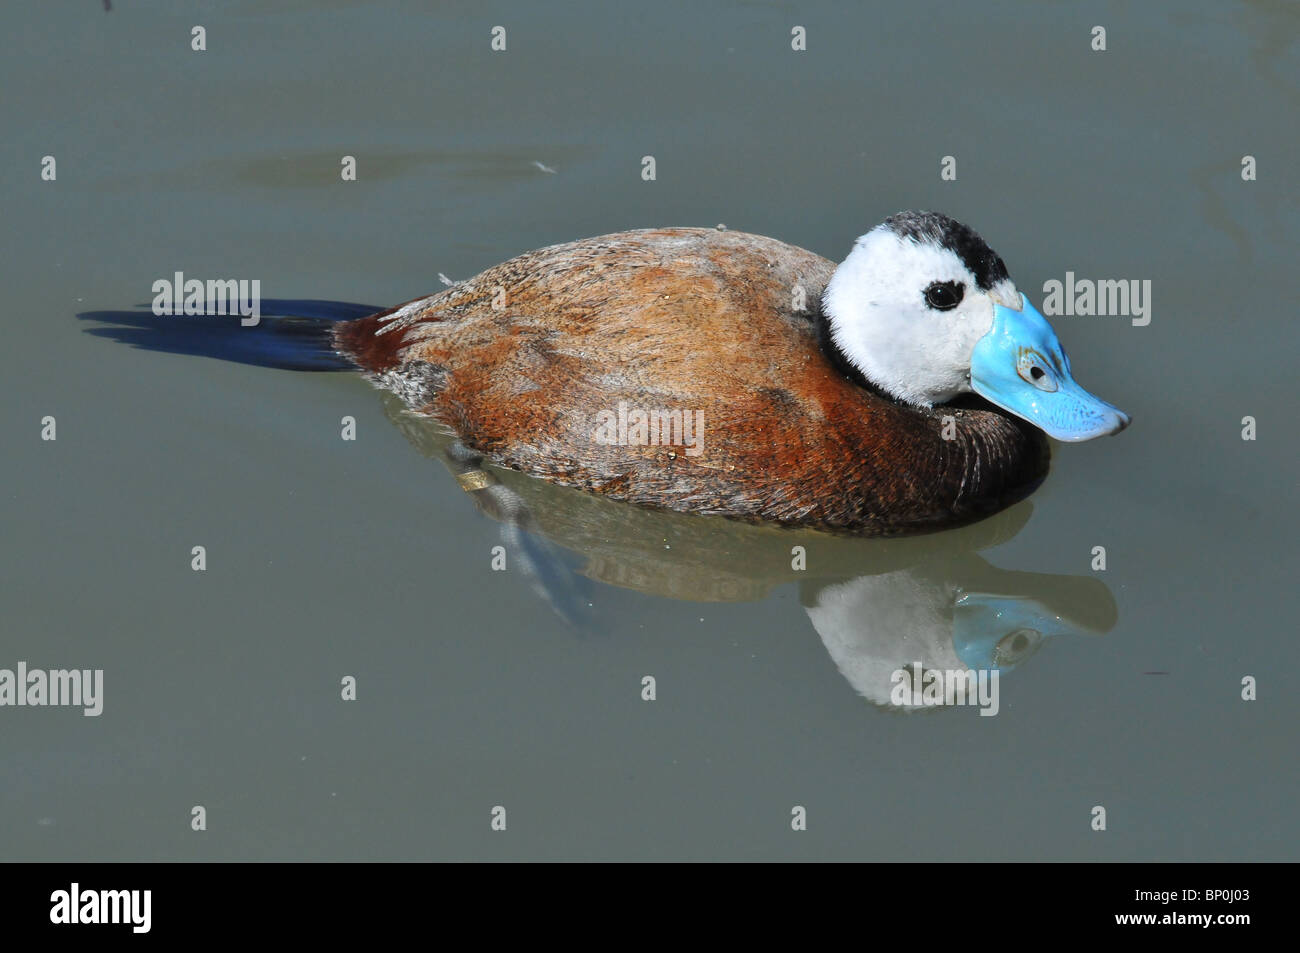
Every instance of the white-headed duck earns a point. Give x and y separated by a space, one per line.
818 388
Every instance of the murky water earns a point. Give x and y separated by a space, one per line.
328 558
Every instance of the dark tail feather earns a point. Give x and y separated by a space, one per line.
293 334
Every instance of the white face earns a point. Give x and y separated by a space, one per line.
904 334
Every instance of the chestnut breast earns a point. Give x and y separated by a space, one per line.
543 364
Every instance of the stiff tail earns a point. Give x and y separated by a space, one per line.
293 334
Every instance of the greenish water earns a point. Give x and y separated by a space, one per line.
329 558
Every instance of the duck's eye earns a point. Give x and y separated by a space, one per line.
944 295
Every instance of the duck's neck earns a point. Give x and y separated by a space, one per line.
839 360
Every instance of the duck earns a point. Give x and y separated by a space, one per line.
907 389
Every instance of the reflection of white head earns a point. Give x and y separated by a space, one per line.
873 626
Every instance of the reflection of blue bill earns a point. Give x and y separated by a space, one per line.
999 632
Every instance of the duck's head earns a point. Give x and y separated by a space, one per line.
925 310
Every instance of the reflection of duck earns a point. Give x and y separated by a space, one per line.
814 385
879 605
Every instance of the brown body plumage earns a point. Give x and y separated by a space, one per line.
525 360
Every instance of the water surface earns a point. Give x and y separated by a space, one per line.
328 558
